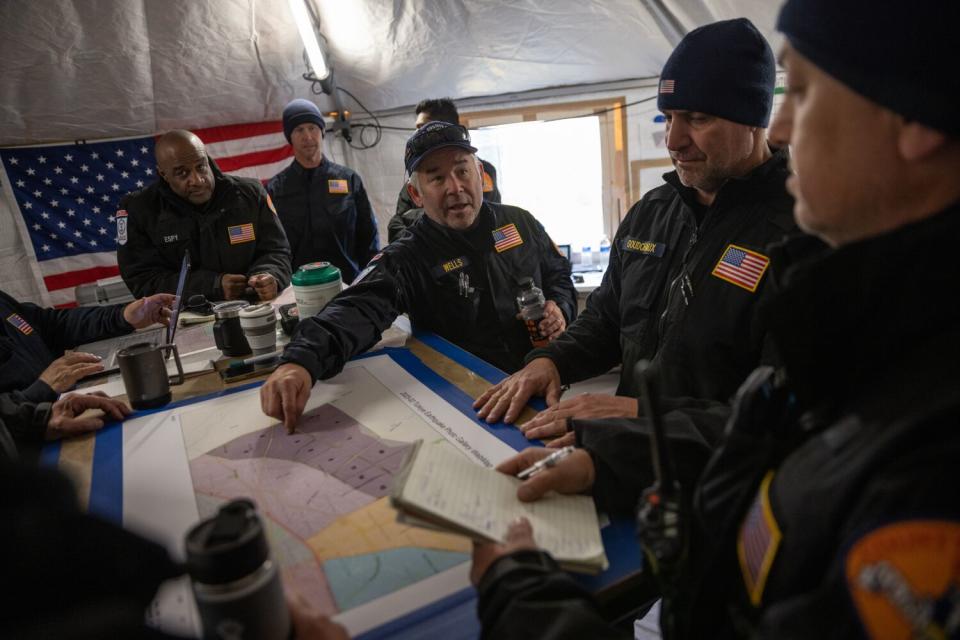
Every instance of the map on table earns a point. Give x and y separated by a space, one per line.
322 491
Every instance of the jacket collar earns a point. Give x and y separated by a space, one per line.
302 172
754 185
850 313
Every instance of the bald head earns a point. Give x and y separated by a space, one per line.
182 163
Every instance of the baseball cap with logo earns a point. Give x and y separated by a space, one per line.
432 136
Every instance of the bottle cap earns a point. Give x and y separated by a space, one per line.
227 546
525 283
315 273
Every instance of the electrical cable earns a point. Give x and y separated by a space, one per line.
363 128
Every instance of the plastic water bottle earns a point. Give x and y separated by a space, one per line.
586 255
531 302
603 256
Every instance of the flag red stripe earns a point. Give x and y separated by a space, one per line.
232 163
235 131
80 276
750 281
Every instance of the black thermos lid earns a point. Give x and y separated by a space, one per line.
227 546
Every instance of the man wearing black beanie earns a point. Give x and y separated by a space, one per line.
830 509
322 205
689 264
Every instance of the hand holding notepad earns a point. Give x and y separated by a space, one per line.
439 488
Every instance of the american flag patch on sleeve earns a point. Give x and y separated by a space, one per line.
241 233
506 237
741 267
758 542
20 323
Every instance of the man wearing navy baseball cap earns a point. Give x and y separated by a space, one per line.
456 273
830 509
323 206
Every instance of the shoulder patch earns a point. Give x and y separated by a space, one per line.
20 323
121 226
904 579
758 541
487 182
506 237
338 186
742 267
646 247
240 233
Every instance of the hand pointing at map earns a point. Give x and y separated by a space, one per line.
284 395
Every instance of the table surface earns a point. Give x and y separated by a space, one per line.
455 615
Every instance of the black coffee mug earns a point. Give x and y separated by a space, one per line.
227 332
144 372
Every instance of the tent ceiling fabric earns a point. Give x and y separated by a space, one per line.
78 69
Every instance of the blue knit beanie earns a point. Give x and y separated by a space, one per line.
299 111
900 56
725 69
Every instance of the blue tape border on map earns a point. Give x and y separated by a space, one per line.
106 473
418 616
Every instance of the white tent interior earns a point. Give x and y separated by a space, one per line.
87 70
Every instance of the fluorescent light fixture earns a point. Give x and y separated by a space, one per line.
308 33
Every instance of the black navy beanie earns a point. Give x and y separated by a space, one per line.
725 69
902 56
299 111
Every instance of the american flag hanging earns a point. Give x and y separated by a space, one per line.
68 195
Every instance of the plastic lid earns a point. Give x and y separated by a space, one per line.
257 310
230 309
315 273
525 283
227 546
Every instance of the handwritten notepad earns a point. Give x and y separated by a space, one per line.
443 490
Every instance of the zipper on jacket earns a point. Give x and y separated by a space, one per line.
694 237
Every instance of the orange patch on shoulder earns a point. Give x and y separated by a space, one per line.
898 574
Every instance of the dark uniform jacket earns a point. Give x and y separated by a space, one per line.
105 577
235 232
327 216
22 422
32 337
831 509
455 284
408 212
667 298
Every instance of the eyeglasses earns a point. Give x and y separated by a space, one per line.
425 140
